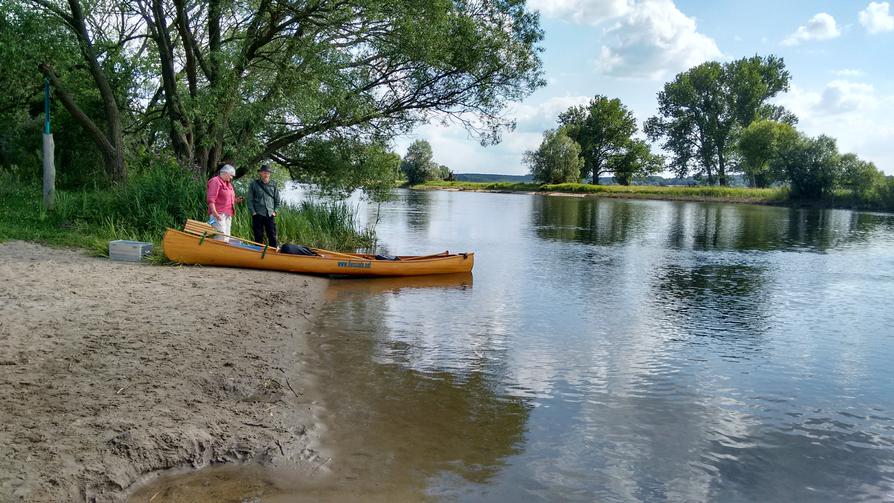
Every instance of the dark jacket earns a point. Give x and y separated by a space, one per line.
263 198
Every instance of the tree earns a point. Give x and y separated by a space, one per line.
758 144
444 173
270 77
603 129
860 176
812 166
557 160
417 165
107 134
702 110
340 166
636 163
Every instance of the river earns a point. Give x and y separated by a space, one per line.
615 350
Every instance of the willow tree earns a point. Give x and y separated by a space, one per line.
264 77
556 160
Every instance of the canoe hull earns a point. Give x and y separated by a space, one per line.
188 248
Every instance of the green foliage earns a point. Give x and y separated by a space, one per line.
267 80
758 144
26 39
812 166
332 226
161 195
863 179
340 166
557 160
604 130
417 166
776 196
444 173
703 108
637 162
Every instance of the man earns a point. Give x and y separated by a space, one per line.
263 201
221 198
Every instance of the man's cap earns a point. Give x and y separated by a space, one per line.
265 168
228 170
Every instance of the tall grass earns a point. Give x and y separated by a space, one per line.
323 225
160 197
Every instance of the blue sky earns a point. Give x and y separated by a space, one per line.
839 53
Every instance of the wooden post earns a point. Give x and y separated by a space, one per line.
49 165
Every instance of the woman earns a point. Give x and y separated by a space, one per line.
221 200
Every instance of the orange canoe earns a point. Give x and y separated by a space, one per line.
197 246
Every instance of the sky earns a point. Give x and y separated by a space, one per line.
840 54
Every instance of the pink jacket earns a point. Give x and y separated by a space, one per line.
223 196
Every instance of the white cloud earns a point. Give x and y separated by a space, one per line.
582 11
876 17
820 27
854 113
641 38
652 40
849 72
838 97
541 116
842 96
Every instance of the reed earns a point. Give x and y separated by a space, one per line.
330 225
149 203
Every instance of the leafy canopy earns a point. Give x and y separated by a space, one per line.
701 112
270 79
418 166
603 129
758 144
557 160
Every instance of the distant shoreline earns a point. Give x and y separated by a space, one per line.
738 195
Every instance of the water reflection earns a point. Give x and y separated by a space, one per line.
420 201
339 288
589 219
700 226
405 426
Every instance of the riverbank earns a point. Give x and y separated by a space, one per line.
111 372
842 199
148 204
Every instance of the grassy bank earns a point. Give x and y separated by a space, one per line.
732 194
149 203
776 196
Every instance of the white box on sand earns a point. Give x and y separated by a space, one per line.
130 251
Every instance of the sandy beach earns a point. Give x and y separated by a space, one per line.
113 372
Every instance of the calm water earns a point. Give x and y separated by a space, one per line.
611 350
618 350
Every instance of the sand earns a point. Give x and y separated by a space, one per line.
111 372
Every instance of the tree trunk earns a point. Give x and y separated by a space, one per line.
110 143
721 170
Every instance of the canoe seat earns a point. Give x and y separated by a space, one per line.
199 228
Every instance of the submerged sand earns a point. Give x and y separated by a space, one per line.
111 372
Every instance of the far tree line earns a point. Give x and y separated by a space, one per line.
714 120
